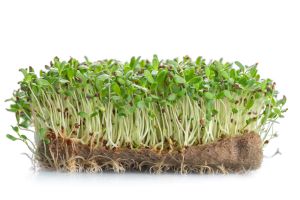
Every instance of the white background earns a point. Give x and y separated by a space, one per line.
268 32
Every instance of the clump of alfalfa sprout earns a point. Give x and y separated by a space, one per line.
144 103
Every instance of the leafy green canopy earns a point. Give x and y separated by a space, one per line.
144 103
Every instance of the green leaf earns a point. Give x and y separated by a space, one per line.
277 111
15 128
198 60
94 114
227 94
209 95
209 108
148 76
249 104
134 62
196 79
189 74
118 73
155 62
42 133
281 101
207 72
220 95
140 87
24 71
116 88
257 95
63 81
148 99
47 141
154 97
121 81
83 114
12 138
234 110
24 124
181 93
140 104
103 77
214 112
179 79
43 82
240 65
172 97
232 73
70 73
253 71
24 137
225 74
161 76
154 86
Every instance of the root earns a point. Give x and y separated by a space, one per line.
235 154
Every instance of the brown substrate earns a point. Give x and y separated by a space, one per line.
232 154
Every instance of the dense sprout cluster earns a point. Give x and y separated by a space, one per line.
141 103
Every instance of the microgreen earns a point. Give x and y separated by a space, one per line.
144 103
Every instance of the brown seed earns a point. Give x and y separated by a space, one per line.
76 125
236 86
68 142
266 142
202 122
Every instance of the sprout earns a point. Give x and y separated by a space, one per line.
144 104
